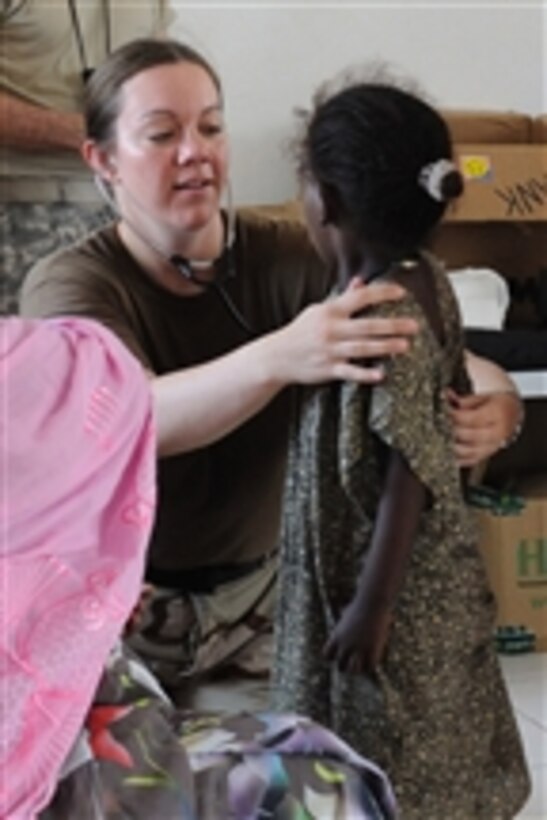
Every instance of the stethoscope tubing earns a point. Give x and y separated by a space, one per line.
224 264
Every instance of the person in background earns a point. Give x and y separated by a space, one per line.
385 617
47 196
86 731
227 309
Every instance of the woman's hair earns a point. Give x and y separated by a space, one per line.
103 90
384 157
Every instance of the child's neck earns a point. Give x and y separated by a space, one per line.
369 261
371 266
379 269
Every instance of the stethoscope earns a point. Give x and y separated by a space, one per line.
224 269
224 265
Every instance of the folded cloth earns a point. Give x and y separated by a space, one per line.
76 505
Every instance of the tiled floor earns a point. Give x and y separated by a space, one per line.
526 677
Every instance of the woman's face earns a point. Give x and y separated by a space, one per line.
169 161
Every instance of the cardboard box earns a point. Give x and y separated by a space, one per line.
514 547
539 129
502 183
470 125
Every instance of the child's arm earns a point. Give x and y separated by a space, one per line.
360 636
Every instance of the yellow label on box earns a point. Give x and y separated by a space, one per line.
476 166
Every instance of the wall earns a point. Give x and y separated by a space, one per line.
271 56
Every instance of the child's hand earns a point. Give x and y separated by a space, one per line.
359 639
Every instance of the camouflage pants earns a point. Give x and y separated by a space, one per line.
30 231
223 637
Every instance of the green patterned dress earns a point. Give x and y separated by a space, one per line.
436 716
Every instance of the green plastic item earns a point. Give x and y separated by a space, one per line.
514 640
498 502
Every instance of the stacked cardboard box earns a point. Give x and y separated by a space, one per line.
514 546
506 182
500 222
504 163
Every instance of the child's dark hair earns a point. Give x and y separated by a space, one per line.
385 157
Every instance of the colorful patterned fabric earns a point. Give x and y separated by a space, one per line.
76 504
139 757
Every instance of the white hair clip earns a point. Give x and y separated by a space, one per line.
432 175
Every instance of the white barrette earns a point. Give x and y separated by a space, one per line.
432 175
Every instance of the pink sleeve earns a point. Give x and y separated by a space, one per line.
76 503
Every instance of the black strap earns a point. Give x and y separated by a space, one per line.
87 70
204 580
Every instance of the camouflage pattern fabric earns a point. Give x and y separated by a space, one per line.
187 638
30 231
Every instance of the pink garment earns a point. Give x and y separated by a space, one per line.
77 493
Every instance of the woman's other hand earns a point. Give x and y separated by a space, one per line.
484 424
